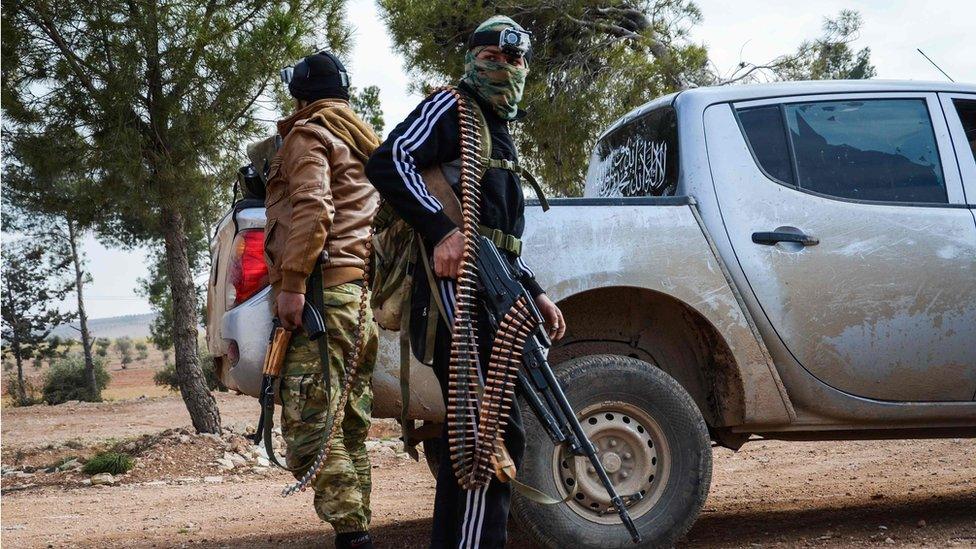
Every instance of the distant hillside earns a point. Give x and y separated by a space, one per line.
134 326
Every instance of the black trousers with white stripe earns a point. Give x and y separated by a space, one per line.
470 519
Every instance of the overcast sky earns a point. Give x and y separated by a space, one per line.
752 30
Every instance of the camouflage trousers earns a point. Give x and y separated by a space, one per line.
343 485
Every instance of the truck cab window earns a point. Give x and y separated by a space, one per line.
766 133
966 109
877 150
639 158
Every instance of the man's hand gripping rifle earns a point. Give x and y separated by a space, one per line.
500 291
314 325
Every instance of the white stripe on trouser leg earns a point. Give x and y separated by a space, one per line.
471 534
481 518
464 523
474 508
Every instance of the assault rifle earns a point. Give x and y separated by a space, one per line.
314 326
499 290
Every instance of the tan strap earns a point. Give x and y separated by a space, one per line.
505 472
431 280
538 496
438 186
504 464
406 424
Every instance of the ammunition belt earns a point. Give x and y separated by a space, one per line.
478 411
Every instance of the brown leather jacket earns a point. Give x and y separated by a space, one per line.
318 198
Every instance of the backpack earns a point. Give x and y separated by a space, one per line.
397 247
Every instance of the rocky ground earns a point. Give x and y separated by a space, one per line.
218 491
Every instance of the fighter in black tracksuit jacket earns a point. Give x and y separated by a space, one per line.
428 137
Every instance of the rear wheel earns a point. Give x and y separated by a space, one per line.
651 439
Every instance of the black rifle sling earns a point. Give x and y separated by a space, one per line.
267 421
315 293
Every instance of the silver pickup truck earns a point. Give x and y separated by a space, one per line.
789 261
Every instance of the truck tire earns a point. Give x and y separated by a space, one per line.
652 440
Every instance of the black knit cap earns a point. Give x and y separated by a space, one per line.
319 76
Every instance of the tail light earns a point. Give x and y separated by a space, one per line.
247 273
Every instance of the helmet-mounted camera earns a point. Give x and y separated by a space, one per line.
511 41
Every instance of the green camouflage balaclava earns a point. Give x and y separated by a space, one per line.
500 84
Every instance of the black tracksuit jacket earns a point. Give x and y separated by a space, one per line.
429 136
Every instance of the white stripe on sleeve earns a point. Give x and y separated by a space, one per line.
415 135
525 268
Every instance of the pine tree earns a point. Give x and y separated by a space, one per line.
162 96
46 179
34 281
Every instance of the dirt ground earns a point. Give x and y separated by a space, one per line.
788 494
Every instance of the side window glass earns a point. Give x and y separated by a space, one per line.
766 133
638 159
879 150
966 109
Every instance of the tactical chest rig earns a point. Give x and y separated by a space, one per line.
478 409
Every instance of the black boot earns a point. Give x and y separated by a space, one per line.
354 540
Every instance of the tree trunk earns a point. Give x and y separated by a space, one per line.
86 343
21 389
17 350
193 386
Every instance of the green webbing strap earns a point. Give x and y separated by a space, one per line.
527 175
406 424
316 295
503 164
502 240
514 166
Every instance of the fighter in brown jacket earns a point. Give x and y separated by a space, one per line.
319 210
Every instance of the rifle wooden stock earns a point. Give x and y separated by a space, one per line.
275 357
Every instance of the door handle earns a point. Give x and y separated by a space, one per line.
775 237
